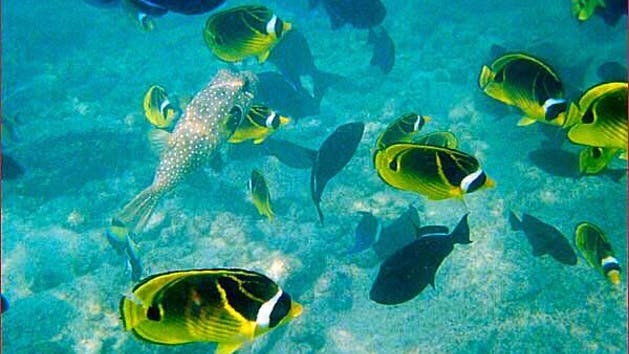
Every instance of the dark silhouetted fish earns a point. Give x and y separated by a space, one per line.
186 7
11 169
333 155
290 154
274 90
613 11
612 71
383 49
357 13
408 271
367 231
556 162
544 238
399 233
5 303
293 58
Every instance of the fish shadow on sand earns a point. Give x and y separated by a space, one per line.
563 163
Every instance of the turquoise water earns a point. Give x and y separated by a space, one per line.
73 78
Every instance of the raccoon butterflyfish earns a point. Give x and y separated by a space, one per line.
230 307
237 33
600 117
544 238
594 159
208 120
260 122
593 244
433 171
260 194
158 109
366 233
333 155
401 130
584 9
527 83
404 274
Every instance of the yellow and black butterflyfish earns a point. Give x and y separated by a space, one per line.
600 117
401 130
158 109
237 33
260 123
527 83
260 194
594 159
230 307
433 171
593 244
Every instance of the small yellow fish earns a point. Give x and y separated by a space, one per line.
158 109
527 83
433 171
584 9
230 307
259 124
260 194
597 251
237 33
594 159
401 130
600 117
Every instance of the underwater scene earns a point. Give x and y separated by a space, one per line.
314 176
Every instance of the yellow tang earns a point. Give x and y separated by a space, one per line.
401 130
600 117
433 171
597 251
259 123
594 159
158 109
584 9
227 306
260 194
527 83
237 33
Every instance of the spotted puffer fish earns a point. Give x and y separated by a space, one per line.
209 119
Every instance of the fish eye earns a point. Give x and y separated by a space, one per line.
393 165
596 152
588 117
152 313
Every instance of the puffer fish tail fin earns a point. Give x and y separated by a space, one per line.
227 348
516 224
526 121
461 233
137 212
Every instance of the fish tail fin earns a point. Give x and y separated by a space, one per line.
516 224
137 212
461 233
322 81
133 311
486 76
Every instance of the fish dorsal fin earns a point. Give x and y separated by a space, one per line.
526 121
431 230
159 139
227 348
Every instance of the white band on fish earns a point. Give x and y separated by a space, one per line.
270 26
264 313
270 119
469 179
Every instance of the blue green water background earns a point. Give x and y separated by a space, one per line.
73 76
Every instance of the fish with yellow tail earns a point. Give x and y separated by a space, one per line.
599 118
433 171
158 108
259 124
209 119
260 194
401 130
237 33
230 307
527 83
593 244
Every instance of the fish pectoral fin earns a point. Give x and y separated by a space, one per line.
259 140
227 348
526 121
263 56
158 139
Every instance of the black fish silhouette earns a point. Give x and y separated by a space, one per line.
383 49
357 13
397 234
408 271
544 238
11 169
367 231
290 154
274 90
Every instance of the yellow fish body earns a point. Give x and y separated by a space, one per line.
401 130
600 117
158 109
594 159
230 307
584 9
260 194
527 83
433 171
237 33
597 251
258 125
209 119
